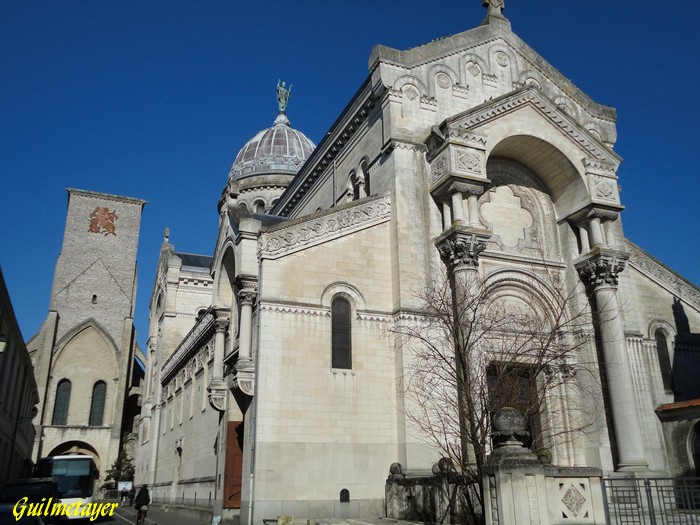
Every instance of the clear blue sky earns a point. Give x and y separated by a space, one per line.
153 99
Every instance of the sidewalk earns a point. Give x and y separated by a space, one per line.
157 515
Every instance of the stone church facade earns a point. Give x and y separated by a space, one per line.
84 353
273 367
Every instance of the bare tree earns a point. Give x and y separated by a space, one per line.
485 344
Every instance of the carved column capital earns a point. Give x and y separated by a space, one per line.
221 324
602 268
460 248
247 292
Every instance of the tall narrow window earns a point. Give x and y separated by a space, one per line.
365 178
60 407
664 359
97 407
341 333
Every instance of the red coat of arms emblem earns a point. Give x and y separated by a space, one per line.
103 220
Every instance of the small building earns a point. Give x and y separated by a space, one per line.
18 395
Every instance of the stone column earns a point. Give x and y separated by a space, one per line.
220 326
217 388
600 272
585 245
459 249
473 201
457 207
446 215
595 231
245 335
245 367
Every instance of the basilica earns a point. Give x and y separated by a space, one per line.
274 375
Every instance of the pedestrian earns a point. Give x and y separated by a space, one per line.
132 495
124 494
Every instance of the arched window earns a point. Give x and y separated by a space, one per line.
664 358
364 177
97 407
341 354
60 407
259 207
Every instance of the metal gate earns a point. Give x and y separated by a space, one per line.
652 501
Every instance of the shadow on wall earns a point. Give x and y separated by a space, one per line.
686 357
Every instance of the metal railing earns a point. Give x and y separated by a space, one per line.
652 501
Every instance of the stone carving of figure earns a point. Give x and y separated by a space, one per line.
283 95
494 6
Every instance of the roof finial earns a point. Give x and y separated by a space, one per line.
495 7
283 94
494 14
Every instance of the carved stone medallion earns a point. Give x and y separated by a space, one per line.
501 59
443 80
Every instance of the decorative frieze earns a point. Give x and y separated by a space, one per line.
295 310
667 278
199 334
303 233
531 96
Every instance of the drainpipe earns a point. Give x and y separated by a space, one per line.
255 398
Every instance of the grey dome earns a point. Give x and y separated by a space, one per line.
279 149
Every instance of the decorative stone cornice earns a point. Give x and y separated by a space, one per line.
600 268
295 310
297 235
655 270
460 247
198 336
531 96
396 143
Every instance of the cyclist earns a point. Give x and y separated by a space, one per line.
143 499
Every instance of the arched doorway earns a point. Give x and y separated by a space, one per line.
77 447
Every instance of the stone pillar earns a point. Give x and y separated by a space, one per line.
585 245
459 249
457 207
446 215
220 326
599 271
473 201
217 388
245 335
245 367
595 231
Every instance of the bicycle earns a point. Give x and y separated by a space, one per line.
141 515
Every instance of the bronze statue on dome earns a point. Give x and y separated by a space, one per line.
283 94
